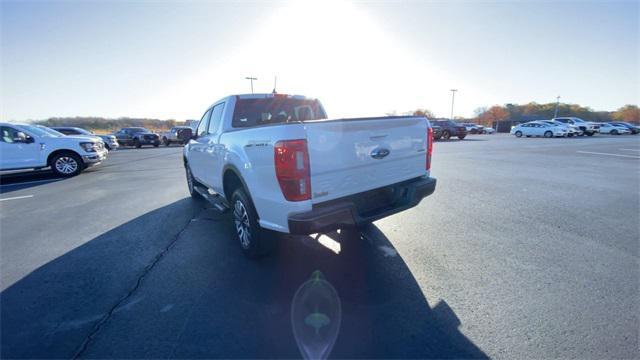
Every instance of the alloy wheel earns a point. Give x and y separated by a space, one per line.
243 226
66 165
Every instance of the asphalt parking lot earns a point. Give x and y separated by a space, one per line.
528 249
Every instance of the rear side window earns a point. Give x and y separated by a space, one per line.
216 117
275 110
204 122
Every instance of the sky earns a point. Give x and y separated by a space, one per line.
170 60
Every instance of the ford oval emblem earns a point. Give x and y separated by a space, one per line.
379 153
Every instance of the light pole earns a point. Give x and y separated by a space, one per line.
555 114
453 97
251 79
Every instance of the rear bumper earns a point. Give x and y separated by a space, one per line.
353 210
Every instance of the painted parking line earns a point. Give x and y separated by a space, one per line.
608 154
17 197
638 150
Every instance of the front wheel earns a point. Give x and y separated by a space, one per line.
518 133
156 144
166 141
589 134
446 135
136 143
254 241
548 134
67 164
614 132
461 137
570 135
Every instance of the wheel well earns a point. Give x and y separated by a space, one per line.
230 182
58 152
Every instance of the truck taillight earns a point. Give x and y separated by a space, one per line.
429 147
291 159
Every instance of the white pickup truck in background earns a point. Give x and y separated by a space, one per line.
280 164
25 146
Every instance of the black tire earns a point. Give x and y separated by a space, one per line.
67 164
137 144
518 133
570 135
446 135
107 147
156 144
589 134
191 183
461 137
614 132
166 141
548 134
473 131
254 241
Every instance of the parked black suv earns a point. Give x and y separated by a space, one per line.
137 136
451 128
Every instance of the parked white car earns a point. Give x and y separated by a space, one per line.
538 128
24 146
606 128
110 141
280 164
571 129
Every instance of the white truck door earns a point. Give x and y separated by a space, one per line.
197 148
18 149
213 153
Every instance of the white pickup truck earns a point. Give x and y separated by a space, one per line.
25 146
280 164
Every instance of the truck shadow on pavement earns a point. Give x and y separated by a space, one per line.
186 291
24 180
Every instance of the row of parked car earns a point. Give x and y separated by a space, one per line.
134 136
571 126
70 150
446 129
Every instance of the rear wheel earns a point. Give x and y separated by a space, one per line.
518 133
548 134
446 135
461 137
136 143
67 164
589 134
614 132
191 183
254 241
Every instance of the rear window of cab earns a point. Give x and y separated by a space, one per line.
275 110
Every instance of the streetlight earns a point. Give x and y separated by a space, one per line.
251 79
453 96
555 114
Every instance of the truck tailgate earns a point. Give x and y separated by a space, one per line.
349 156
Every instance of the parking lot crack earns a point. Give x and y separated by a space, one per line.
122 301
